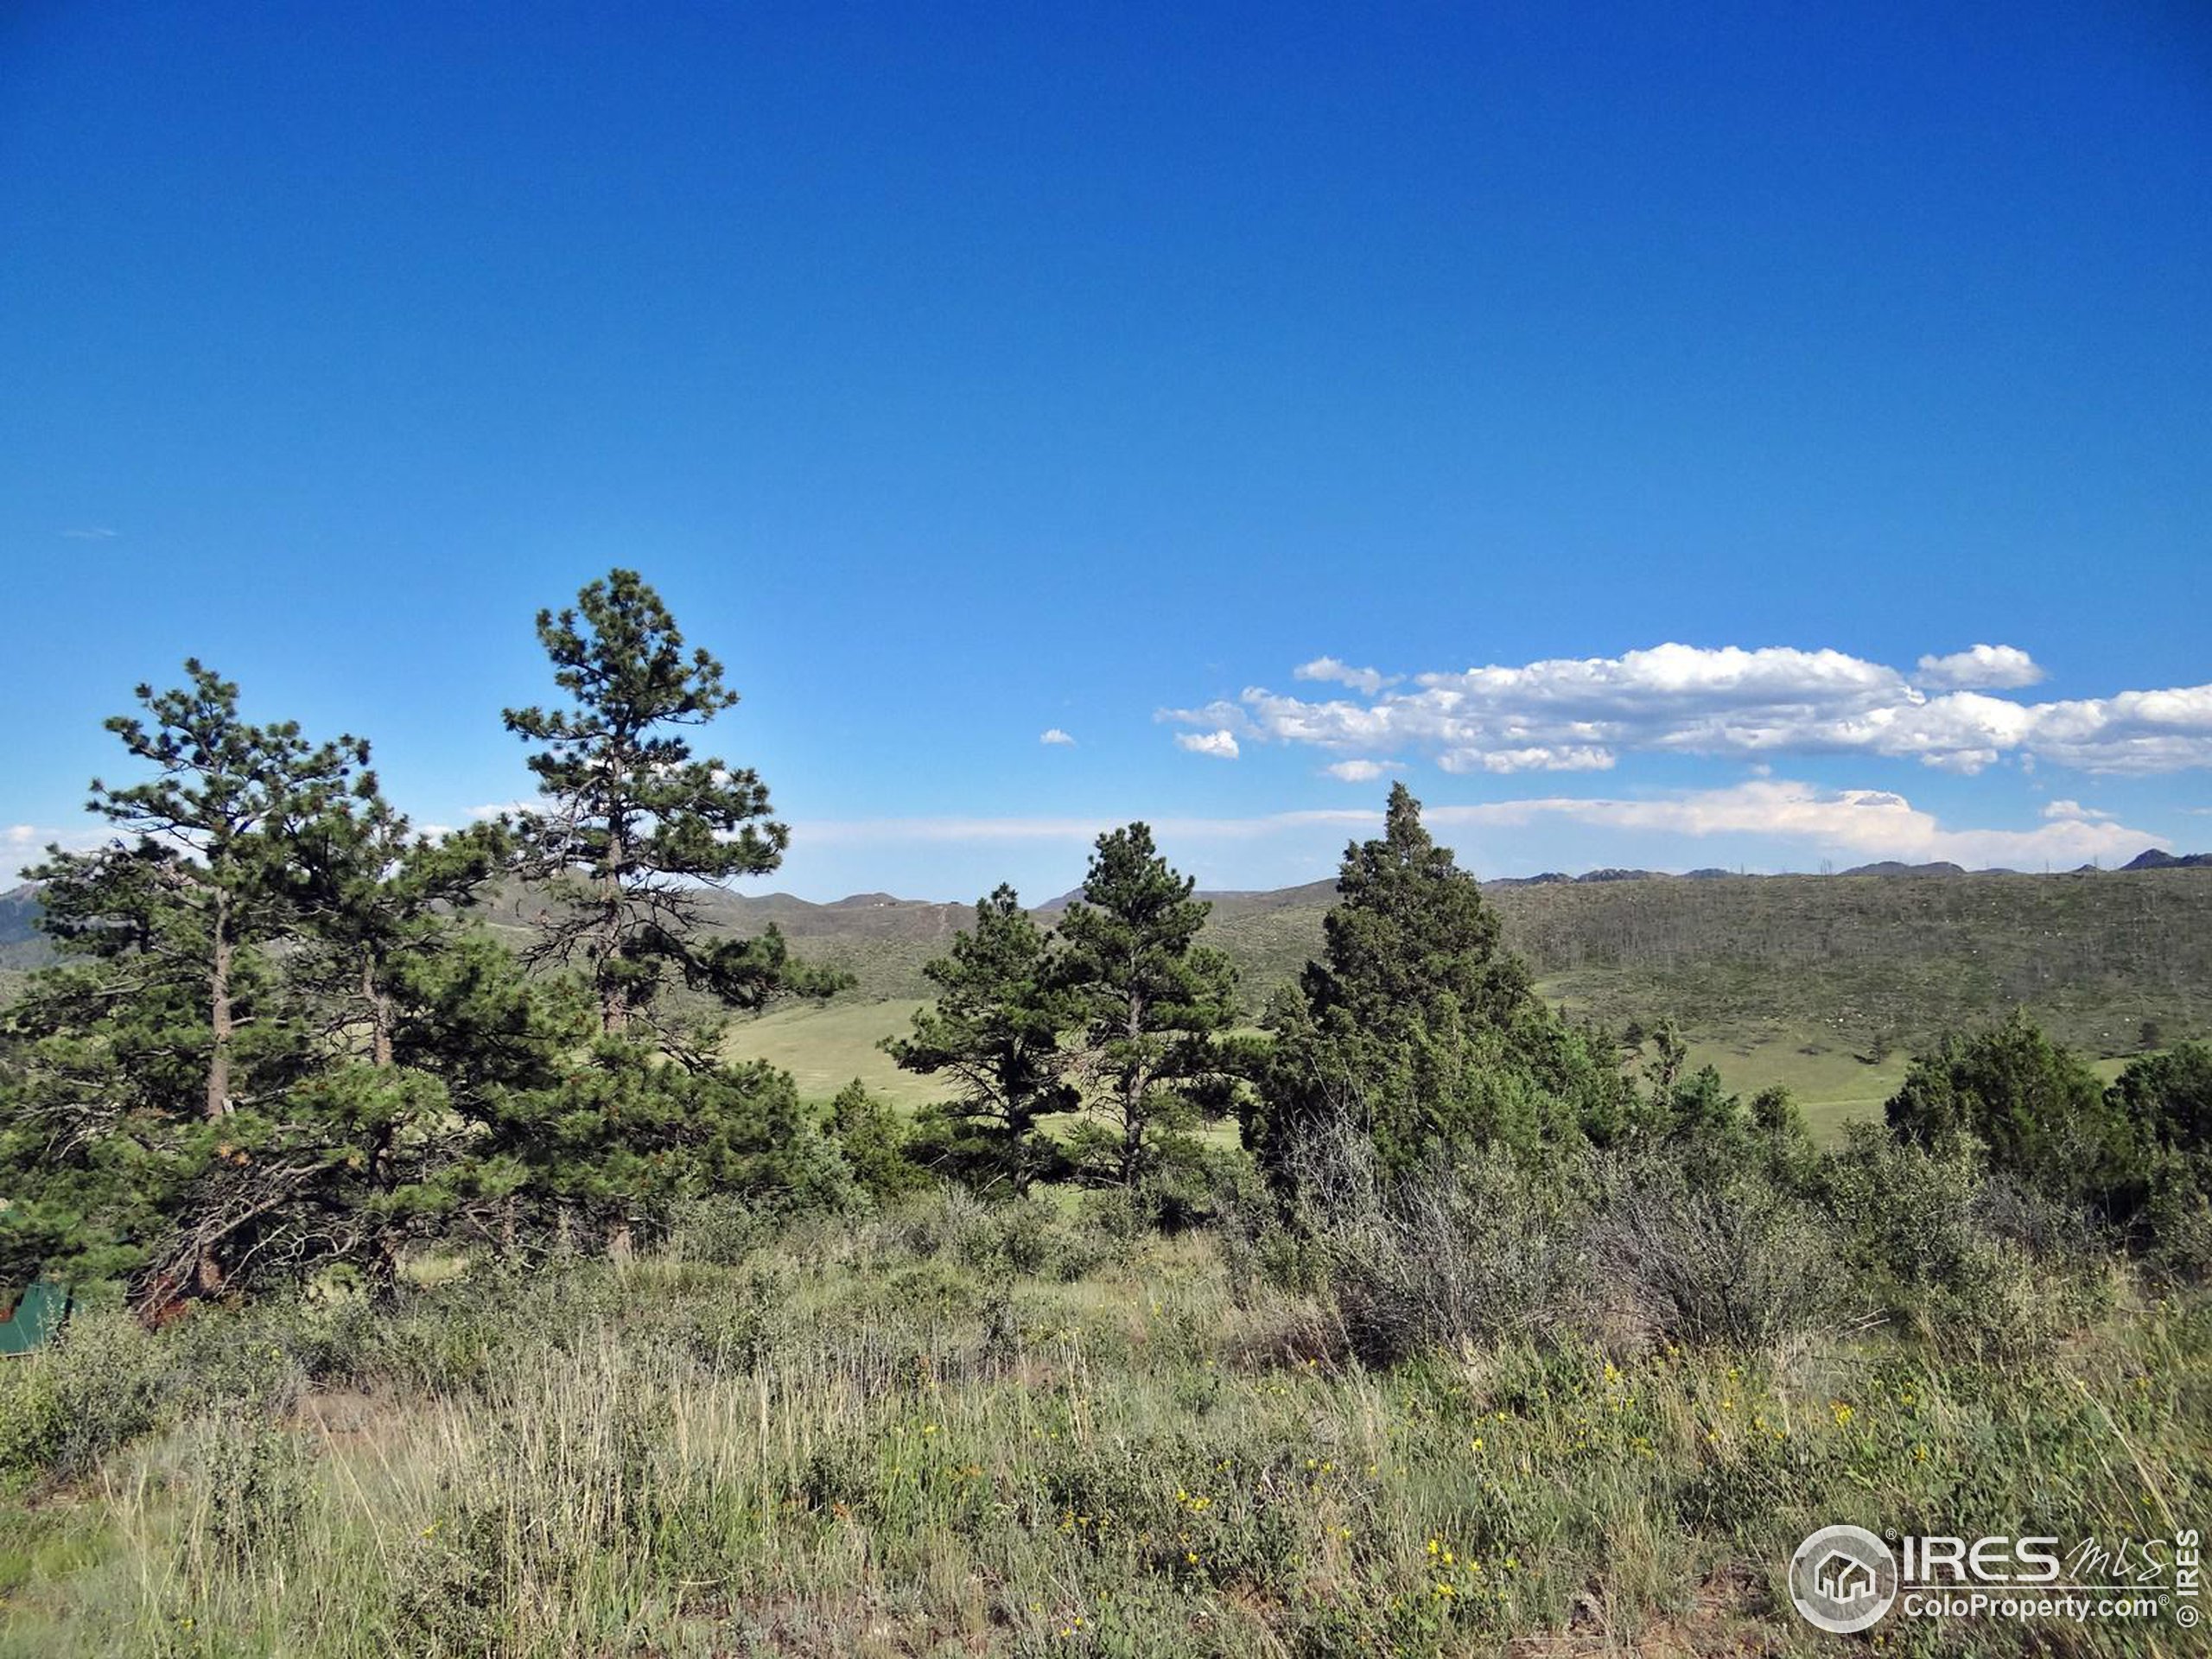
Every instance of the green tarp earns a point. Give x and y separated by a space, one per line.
38 1315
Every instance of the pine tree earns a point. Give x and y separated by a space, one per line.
201 886
155 1065
634 823
377 901
2033 1106
995 1031
1149 999
1417 1028
613 1144
431 1026
876 1140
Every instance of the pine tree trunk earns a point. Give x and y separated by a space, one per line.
389 1245
1133 1096
218 1012
207 1272
611 1013
380 1018
614 1009
390 1239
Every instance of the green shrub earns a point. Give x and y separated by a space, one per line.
2033 1106
99 1384
875 1140
247 1482
1948 1252
1471 1254
720 1230
1734 1261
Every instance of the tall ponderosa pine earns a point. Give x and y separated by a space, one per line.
1148 998
155 1065
634 825
201 884
633 822
995 1031
1417 1028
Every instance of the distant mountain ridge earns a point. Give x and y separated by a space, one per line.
22 945
1893 867
1892 953
2151 859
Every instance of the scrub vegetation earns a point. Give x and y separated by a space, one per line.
444 1289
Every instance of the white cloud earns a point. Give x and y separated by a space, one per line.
90 533
1859 824
2074 811
1360 772
1222 745
1054 735
1366 680
1867 823
856 832
22 845
2000 667
1581 714
1567 757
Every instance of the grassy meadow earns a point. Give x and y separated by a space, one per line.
1574 1394
826 1046
1822 984
1032 1431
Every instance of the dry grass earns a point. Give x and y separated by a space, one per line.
858 1444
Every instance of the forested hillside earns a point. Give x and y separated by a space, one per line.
1881 962
985 1230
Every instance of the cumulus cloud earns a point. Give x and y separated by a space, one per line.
1366 680
1581 714
2074 811
857 832
22 845
1857 825
1220 743
1359 771
1054 735
1558 757
1995 667
1871 823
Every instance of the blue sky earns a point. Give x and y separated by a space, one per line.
961 374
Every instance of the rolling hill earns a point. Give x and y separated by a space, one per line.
1825 982
1879 958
